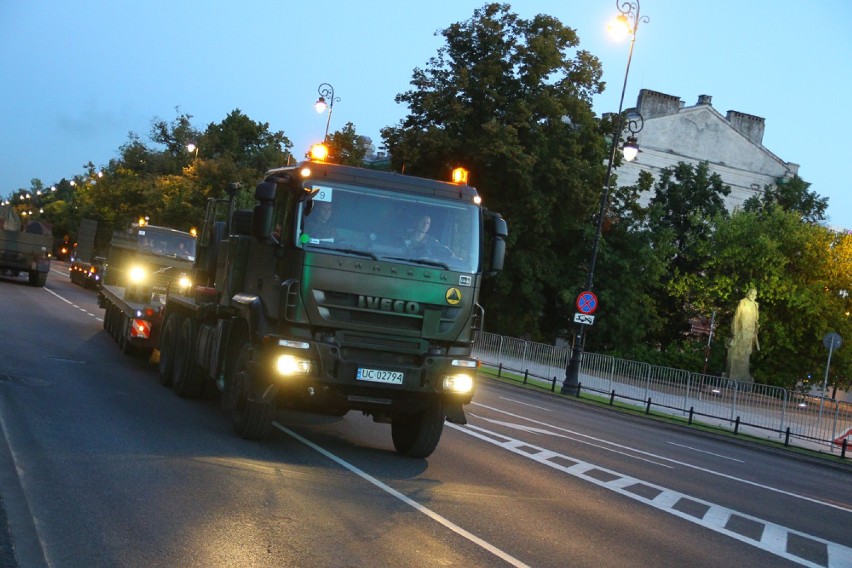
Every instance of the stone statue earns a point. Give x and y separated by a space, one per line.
743 338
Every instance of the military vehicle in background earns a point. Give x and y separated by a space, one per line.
141 265
25 247
86 269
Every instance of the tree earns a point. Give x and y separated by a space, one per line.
682 217
346 147
799 270
510 99
791 195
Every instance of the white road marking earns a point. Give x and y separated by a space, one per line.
390 490
534 430
72 304
525 403
706 452
774 538
670 460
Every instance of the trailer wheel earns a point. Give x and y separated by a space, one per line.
252 417
417 435
168 342
187 379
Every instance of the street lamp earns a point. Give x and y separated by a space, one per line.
192 148
326 100
628 20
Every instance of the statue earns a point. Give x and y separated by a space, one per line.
743 338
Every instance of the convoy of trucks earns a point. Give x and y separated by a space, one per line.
143 262
25 247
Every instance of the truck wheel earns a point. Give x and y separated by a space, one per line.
252 418
187 379
417 435
168 343
37 278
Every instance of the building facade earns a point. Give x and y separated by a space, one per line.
731 144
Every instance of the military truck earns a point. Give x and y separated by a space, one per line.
141 264
86 269
24 247
353 316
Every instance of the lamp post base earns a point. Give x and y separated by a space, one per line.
571 384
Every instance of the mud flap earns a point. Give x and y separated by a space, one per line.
455 414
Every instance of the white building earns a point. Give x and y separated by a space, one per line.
731 144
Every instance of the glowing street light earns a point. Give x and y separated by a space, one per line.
625 24
326 100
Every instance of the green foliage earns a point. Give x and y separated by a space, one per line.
791 195
510 100
346 147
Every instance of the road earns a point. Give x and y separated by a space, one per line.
102 466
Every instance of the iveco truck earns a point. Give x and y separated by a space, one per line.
343 289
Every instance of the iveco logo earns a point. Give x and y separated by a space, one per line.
388 305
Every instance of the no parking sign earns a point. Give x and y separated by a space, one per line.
586 304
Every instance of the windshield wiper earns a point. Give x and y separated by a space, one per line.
423 261
365 254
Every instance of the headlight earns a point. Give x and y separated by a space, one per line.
289 365
137 275
184 282
461 384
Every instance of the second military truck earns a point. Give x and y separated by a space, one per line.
343 289
141 265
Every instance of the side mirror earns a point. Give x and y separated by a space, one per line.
496 232
265 191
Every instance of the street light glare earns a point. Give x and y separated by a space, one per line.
619 28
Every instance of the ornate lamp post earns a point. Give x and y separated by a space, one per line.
629 19
326 99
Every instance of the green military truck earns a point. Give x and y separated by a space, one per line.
141 265
329 297
24 247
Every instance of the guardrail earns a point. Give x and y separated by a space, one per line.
772 412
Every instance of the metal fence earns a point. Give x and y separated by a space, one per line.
760 410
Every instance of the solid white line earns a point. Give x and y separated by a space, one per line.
388 489
684 464
525 403
706 452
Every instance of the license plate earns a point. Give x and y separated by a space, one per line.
379 376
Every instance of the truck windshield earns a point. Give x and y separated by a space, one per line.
384 225
167 244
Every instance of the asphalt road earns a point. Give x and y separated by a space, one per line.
102 466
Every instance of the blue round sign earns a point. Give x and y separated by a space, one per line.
587 303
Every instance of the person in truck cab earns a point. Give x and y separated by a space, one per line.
318 223
418 237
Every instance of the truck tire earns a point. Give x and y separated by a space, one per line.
37 278
252 418
417 435
168 347
187 379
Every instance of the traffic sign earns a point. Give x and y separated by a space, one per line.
587 302
584 319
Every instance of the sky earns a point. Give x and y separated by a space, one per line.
78 77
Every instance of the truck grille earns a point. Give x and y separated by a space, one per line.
339 307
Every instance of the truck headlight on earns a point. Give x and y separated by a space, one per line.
184 283
460 383
137 275
289 365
